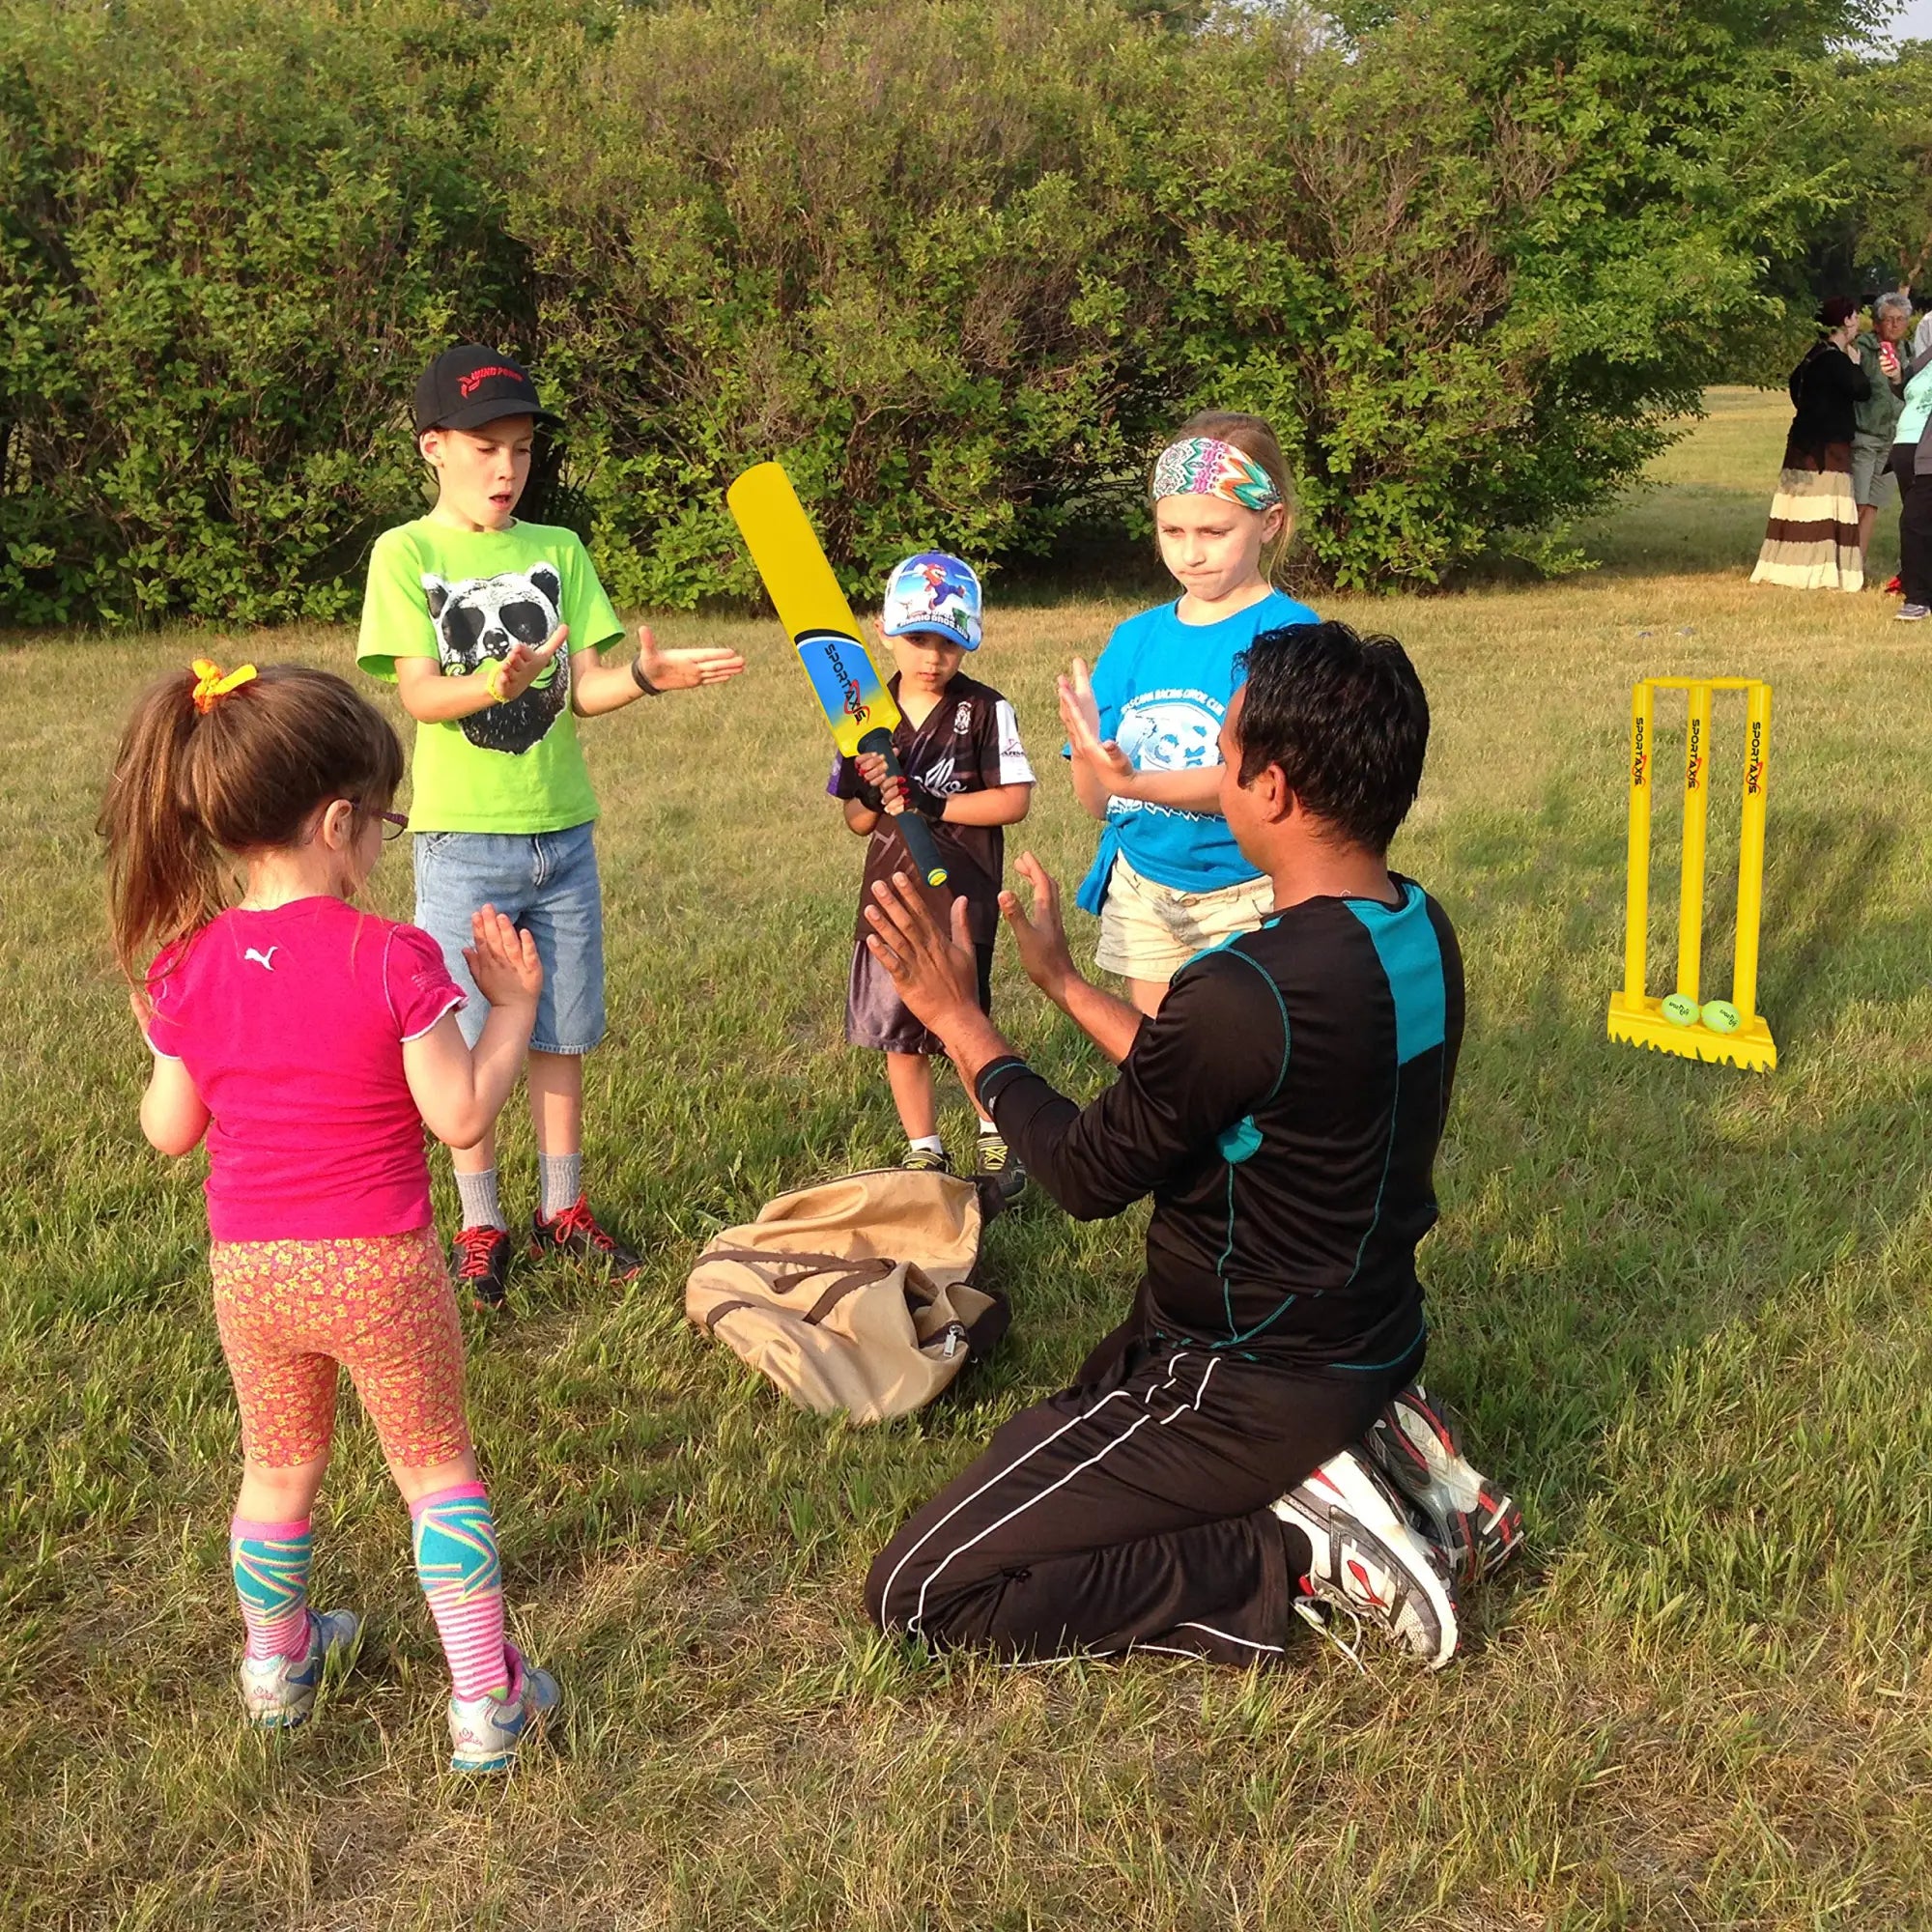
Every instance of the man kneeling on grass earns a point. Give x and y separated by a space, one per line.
1196 1490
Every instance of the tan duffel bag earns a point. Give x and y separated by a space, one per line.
855 1295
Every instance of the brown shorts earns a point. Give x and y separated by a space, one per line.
876 1016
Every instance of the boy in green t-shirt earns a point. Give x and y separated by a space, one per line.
492 630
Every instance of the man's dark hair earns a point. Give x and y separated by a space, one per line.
1344 718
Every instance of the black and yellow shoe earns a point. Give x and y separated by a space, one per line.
923 1160
1001 1165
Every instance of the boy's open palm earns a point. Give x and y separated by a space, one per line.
502 960
684 670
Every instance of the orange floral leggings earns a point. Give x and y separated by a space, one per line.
379 1306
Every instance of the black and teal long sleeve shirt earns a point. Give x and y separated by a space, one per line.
1284 1110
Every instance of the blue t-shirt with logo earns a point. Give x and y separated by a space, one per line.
1162 687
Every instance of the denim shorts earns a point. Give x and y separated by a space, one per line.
547 883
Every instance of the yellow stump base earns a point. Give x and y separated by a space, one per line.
1642 1024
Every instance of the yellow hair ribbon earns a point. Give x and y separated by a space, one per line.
211 685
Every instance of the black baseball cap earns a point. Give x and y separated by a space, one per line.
470 385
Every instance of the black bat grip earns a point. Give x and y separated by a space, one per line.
913 829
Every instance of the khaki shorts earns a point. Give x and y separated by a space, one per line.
1870 470
1150 932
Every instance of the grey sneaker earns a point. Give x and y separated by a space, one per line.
486 1732
923 1160
278 1693
1417 1443
1369 1562
1911 614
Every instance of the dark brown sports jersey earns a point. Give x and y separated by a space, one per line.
969 742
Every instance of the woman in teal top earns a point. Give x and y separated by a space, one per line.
1911 465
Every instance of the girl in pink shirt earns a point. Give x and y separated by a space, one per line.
311 1043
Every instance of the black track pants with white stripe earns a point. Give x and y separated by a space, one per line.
1129 1510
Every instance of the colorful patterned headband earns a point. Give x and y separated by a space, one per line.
210 686
1199 466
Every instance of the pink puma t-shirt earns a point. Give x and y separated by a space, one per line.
291 1024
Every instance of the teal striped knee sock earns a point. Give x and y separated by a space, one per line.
270 1561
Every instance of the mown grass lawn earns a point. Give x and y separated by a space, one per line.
1686 1310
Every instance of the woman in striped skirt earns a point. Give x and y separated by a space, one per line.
1812 540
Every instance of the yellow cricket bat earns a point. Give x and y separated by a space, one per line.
812 609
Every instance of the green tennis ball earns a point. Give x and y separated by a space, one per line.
1720 1017
1680 1009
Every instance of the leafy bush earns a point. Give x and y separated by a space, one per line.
904 246
226 232
959 262
1472 259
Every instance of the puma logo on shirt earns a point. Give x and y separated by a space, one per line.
265 960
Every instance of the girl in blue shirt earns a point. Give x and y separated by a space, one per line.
1143 731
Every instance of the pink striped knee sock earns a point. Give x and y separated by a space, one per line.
456 1563
269 1562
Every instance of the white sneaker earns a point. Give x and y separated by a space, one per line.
1369 1561
279 1692
1417 1442
486 1732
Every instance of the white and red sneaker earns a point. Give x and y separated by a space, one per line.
1417 1443
1368 1559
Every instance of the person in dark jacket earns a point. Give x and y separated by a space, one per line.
1218 1472
1911 465
1812 540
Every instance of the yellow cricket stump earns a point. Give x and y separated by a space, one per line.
1636 1018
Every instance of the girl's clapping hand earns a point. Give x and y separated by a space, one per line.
503 960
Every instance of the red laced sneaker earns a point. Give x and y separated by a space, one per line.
574 1232
479 1258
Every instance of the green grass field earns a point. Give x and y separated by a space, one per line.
1685 1310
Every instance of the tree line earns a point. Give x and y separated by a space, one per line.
959 263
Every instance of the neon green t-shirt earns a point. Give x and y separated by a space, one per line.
464 597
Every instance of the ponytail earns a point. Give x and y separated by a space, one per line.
209 768
163 870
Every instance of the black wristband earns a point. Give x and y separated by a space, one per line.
638 678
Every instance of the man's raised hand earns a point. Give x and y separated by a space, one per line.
936 974
1040 934
683 670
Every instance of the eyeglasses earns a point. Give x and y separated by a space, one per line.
393 823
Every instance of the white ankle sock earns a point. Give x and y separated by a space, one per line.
929 1142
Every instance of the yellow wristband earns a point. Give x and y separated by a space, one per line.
493 683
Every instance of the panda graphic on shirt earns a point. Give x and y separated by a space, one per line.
482 618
